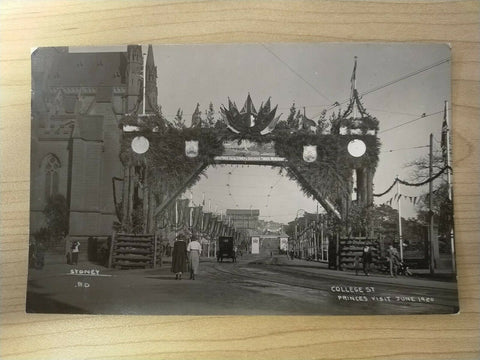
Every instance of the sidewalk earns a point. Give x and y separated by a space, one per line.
55 265
421 277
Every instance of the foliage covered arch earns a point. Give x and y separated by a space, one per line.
165 171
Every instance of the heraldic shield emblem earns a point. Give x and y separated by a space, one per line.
191 148
310 153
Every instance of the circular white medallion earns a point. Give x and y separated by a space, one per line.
356 148
140 144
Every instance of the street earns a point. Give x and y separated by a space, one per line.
251 286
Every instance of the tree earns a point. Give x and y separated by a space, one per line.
419 168
210 116
291 120
322 124
290 229
56 216
442 206
179 122
197 117
385 221
359 220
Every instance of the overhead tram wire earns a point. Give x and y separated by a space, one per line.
410 121
406 76
392 82
336 104
408 148
296 73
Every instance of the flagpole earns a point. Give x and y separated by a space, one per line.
354 86
400 220
144 82
430 207
449 182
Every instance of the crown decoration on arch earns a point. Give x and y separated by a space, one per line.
248 120
355 119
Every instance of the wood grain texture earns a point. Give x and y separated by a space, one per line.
46 23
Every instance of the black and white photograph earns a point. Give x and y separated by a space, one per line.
242 179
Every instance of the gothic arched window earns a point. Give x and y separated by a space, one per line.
51 168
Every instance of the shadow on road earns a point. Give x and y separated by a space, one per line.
43 303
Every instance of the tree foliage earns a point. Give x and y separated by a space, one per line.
419 168
56 216
210 116
179 122
442 206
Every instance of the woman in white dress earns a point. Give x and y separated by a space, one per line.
194 250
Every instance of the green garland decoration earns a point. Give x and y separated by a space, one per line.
168 166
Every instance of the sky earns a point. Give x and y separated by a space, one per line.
314 76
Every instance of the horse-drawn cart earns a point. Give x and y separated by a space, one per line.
226 249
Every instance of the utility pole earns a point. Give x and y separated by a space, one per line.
315 234
400 237
430 206
449 181
296 237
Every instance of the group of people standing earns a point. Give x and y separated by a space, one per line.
392 256
186 256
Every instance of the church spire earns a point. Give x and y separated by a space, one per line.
151 91
150 61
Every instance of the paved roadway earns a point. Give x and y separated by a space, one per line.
252 286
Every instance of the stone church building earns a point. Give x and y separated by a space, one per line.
78 100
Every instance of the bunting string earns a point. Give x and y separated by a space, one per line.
403 182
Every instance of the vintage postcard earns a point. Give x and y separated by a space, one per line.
242 179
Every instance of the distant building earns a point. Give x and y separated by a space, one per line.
244 218
270 227
267 244
78 100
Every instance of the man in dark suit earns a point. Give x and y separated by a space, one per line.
367 259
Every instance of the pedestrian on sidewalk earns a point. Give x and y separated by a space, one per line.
75 251
367 259
194 250
179 257
394 260
68 248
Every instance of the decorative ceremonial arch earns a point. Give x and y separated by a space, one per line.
161 161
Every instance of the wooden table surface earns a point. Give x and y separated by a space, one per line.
27 24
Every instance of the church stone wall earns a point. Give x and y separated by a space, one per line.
40 150
85 188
